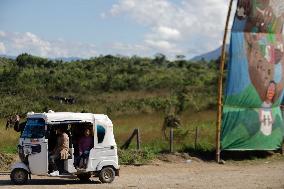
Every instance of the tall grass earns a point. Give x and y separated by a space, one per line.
8 139
150 126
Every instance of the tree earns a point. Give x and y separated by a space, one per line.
159 59
181 97
23 60
180 57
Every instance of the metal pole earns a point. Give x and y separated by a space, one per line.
171 140
220 86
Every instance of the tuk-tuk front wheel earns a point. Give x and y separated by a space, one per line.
107 175
19 176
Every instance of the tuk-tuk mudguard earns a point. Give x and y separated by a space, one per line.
20 165
105 163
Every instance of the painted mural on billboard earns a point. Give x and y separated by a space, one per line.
252 117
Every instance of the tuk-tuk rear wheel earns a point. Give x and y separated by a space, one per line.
107 175
19 176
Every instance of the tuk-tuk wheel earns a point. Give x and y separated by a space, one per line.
107 175
19 176
84 176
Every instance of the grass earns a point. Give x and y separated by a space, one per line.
152 138
8 139
150 126
135 157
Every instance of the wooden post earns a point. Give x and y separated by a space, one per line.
138 140
220 86
196 136
128 141
171 140
282 147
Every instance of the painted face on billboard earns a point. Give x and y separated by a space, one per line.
271 91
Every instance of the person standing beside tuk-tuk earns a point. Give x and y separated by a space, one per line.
61 150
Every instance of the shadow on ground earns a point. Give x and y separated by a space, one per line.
209 155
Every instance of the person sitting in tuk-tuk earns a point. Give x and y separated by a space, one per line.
61 150
85 144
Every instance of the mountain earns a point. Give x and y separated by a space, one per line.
212 55
8 56
67 59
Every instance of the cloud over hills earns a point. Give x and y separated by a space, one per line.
14 43
177 27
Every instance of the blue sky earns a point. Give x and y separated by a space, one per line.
89 28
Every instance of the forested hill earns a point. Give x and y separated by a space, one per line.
104 84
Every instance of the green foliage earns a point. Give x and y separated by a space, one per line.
135 157
25 60
9 149
28 82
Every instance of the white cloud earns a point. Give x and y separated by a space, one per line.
30 42
180 24
163 32
2 34
161 45
2 48
147 11
125 49
17 43
168 33
129 47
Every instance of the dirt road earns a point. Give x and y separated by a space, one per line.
192 174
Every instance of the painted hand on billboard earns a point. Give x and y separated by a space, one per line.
263 16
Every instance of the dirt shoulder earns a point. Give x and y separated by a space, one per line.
181 174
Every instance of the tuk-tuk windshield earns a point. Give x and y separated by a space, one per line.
35 128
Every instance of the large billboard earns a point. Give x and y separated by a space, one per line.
251 118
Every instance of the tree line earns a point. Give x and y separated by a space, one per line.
35 78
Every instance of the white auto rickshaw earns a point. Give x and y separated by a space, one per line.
39 136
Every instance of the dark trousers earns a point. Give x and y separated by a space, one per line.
55 163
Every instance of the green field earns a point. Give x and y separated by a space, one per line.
150 126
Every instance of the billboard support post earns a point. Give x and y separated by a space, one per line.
220 86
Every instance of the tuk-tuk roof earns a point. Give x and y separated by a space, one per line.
56 117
